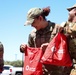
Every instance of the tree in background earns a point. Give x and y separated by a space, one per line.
17 63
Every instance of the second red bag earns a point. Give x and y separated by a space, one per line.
57 52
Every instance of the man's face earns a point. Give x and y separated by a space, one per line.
37 23
72 14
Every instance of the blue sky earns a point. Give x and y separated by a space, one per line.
13 16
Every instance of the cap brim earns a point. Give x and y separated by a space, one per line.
28 22
70 8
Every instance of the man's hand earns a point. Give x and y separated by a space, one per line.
43 46
23 47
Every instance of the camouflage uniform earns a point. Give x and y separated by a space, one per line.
37 38
70 31
1 57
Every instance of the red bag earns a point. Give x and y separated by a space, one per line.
32 65
57 52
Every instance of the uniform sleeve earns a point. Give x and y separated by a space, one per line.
69 27
57 27
31 38
73 29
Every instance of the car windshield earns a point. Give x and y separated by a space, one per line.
6 68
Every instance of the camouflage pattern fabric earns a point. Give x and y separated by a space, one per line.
72 48
70 31
73 72
37 38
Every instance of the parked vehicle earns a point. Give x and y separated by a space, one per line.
7 70
11 70
17 71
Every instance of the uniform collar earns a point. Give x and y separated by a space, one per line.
44 30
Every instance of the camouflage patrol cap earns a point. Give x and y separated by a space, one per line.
32 14
70 8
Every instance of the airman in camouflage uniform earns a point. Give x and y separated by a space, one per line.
41 36
70 31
